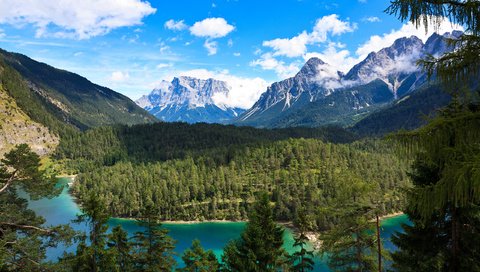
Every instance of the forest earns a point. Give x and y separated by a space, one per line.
297 173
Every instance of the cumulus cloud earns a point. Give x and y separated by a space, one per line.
244 91
119 76
378 42
283 70
72 18
211 28
297 46
175 25
2 34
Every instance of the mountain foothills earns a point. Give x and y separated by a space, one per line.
54 102
191 100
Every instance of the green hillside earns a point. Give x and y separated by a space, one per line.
62 100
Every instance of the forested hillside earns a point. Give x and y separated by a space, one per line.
164 141
61 100
297 172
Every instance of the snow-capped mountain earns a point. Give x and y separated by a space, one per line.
188 99
315 80
380 78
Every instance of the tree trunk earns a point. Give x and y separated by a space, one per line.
379 246
455 241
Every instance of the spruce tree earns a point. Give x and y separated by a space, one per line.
196 259
443 204
120 250
91 252
260 246
153 247
302 260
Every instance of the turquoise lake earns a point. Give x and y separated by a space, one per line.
214 236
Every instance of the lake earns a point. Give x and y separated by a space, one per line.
62 209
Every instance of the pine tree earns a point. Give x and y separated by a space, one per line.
196 259
23 238
153 247
260 246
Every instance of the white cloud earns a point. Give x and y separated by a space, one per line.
73 18
230 43
339 58
211 46
237 54
378 42
164 65
293 47
175 25
297 46
244 91
211 28
119 76
2 34
371 19
268 62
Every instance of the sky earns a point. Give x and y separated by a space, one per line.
130 46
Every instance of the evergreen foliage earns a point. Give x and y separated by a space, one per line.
196 259
298 173
443 204
260 246
23 238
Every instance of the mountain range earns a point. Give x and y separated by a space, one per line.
319 95
191 100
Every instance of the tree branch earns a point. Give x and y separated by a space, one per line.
9 181
26 227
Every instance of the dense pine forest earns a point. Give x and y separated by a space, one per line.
298 173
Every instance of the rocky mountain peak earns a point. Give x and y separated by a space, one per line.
312 67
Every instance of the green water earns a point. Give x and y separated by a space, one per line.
214 236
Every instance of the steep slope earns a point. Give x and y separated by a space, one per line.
314 81
408 113
191 100
17 128
65 97
318 95
343 107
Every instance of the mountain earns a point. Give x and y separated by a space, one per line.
16 127
314 81
54 103
319 95
191 100
407 113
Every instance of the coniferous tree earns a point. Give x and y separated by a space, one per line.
302 260
23 238
196 259
260 246
120 250
153 247
91 252
351 242
443 204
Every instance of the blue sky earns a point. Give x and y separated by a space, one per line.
131 45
